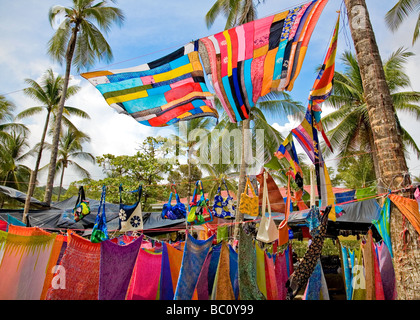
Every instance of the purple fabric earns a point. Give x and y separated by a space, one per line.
203 279
117 264
387 272
280 270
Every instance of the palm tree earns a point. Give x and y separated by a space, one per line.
351 127
402 9
7 118
12 173
388 141
79 42
189 131
47 93
70 148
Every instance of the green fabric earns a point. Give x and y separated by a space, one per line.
359 281
222 233
362 194
247 266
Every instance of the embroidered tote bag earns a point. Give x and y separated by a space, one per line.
81 209
223 207
178 211
267 231
131 217
199 211
249 204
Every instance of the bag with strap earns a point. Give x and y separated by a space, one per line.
131 217
178 211
223 207
100 230
199 211
267 231
81 209
249 204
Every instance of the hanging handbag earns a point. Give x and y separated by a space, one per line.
81 209
131 217
267 231
100 230
249 204
178 211
199 211
223 207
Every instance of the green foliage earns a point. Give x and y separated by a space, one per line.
147 167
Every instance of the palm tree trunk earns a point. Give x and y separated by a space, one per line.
57 127
388 143
34 173
242 174
61 183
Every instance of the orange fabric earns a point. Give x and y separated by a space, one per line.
55 253
409 208
283 227
27 231
224 290
175 260
274 195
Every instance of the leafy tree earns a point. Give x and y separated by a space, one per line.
400 12
12 172
350 125
79 42
7 118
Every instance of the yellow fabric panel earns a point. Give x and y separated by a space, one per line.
127 97
229 52
195 60
280 16
95 74
260 51
188 68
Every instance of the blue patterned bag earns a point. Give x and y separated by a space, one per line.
178 211
223 207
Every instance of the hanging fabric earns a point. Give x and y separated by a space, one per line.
387 271
203 287
116 267
161 92
222 288
100 230
347 272
131 216
247 262
287 150
24 264
199 211
255 58
316 289
77 278
300 276
178 211
274 194
270 277
409 208
267 231
144 284
223 208
374 289
382 224
281 266
171 261
249 204
195 252
283 229
261 279
81 209
359 280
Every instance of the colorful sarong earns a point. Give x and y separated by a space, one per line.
117 264
281 274
222 288
250 60
316 288
171 265
144 283
195 253
24 265
161 92
77 277
387 271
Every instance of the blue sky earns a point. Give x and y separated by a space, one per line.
151 30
